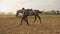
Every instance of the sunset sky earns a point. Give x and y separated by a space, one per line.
13 5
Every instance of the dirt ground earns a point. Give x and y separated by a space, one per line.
12 26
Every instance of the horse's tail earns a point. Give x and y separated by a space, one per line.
39 11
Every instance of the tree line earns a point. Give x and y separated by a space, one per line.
51 12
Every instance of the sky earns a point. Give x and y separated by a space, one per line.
14 5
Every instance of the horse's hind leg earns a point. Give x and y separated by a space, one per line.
35 19
39 19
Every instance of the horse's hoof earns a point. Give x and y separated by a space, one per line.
27 24
20 24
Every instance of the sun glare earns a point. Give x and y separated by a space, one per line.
4 8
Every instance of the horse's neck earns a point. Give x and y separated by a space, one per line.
22 11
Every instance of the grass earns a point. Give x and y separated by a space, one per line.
7 16
12 26
51 16
43 16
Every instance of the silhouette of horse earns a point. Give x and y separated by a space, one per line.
29 12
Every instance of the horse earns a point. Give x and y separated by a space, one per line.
29 12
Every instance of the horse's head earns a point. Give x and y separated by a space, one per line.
19 12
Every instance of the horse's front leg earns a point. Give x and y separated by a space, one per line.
26 19
39 19
22 20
